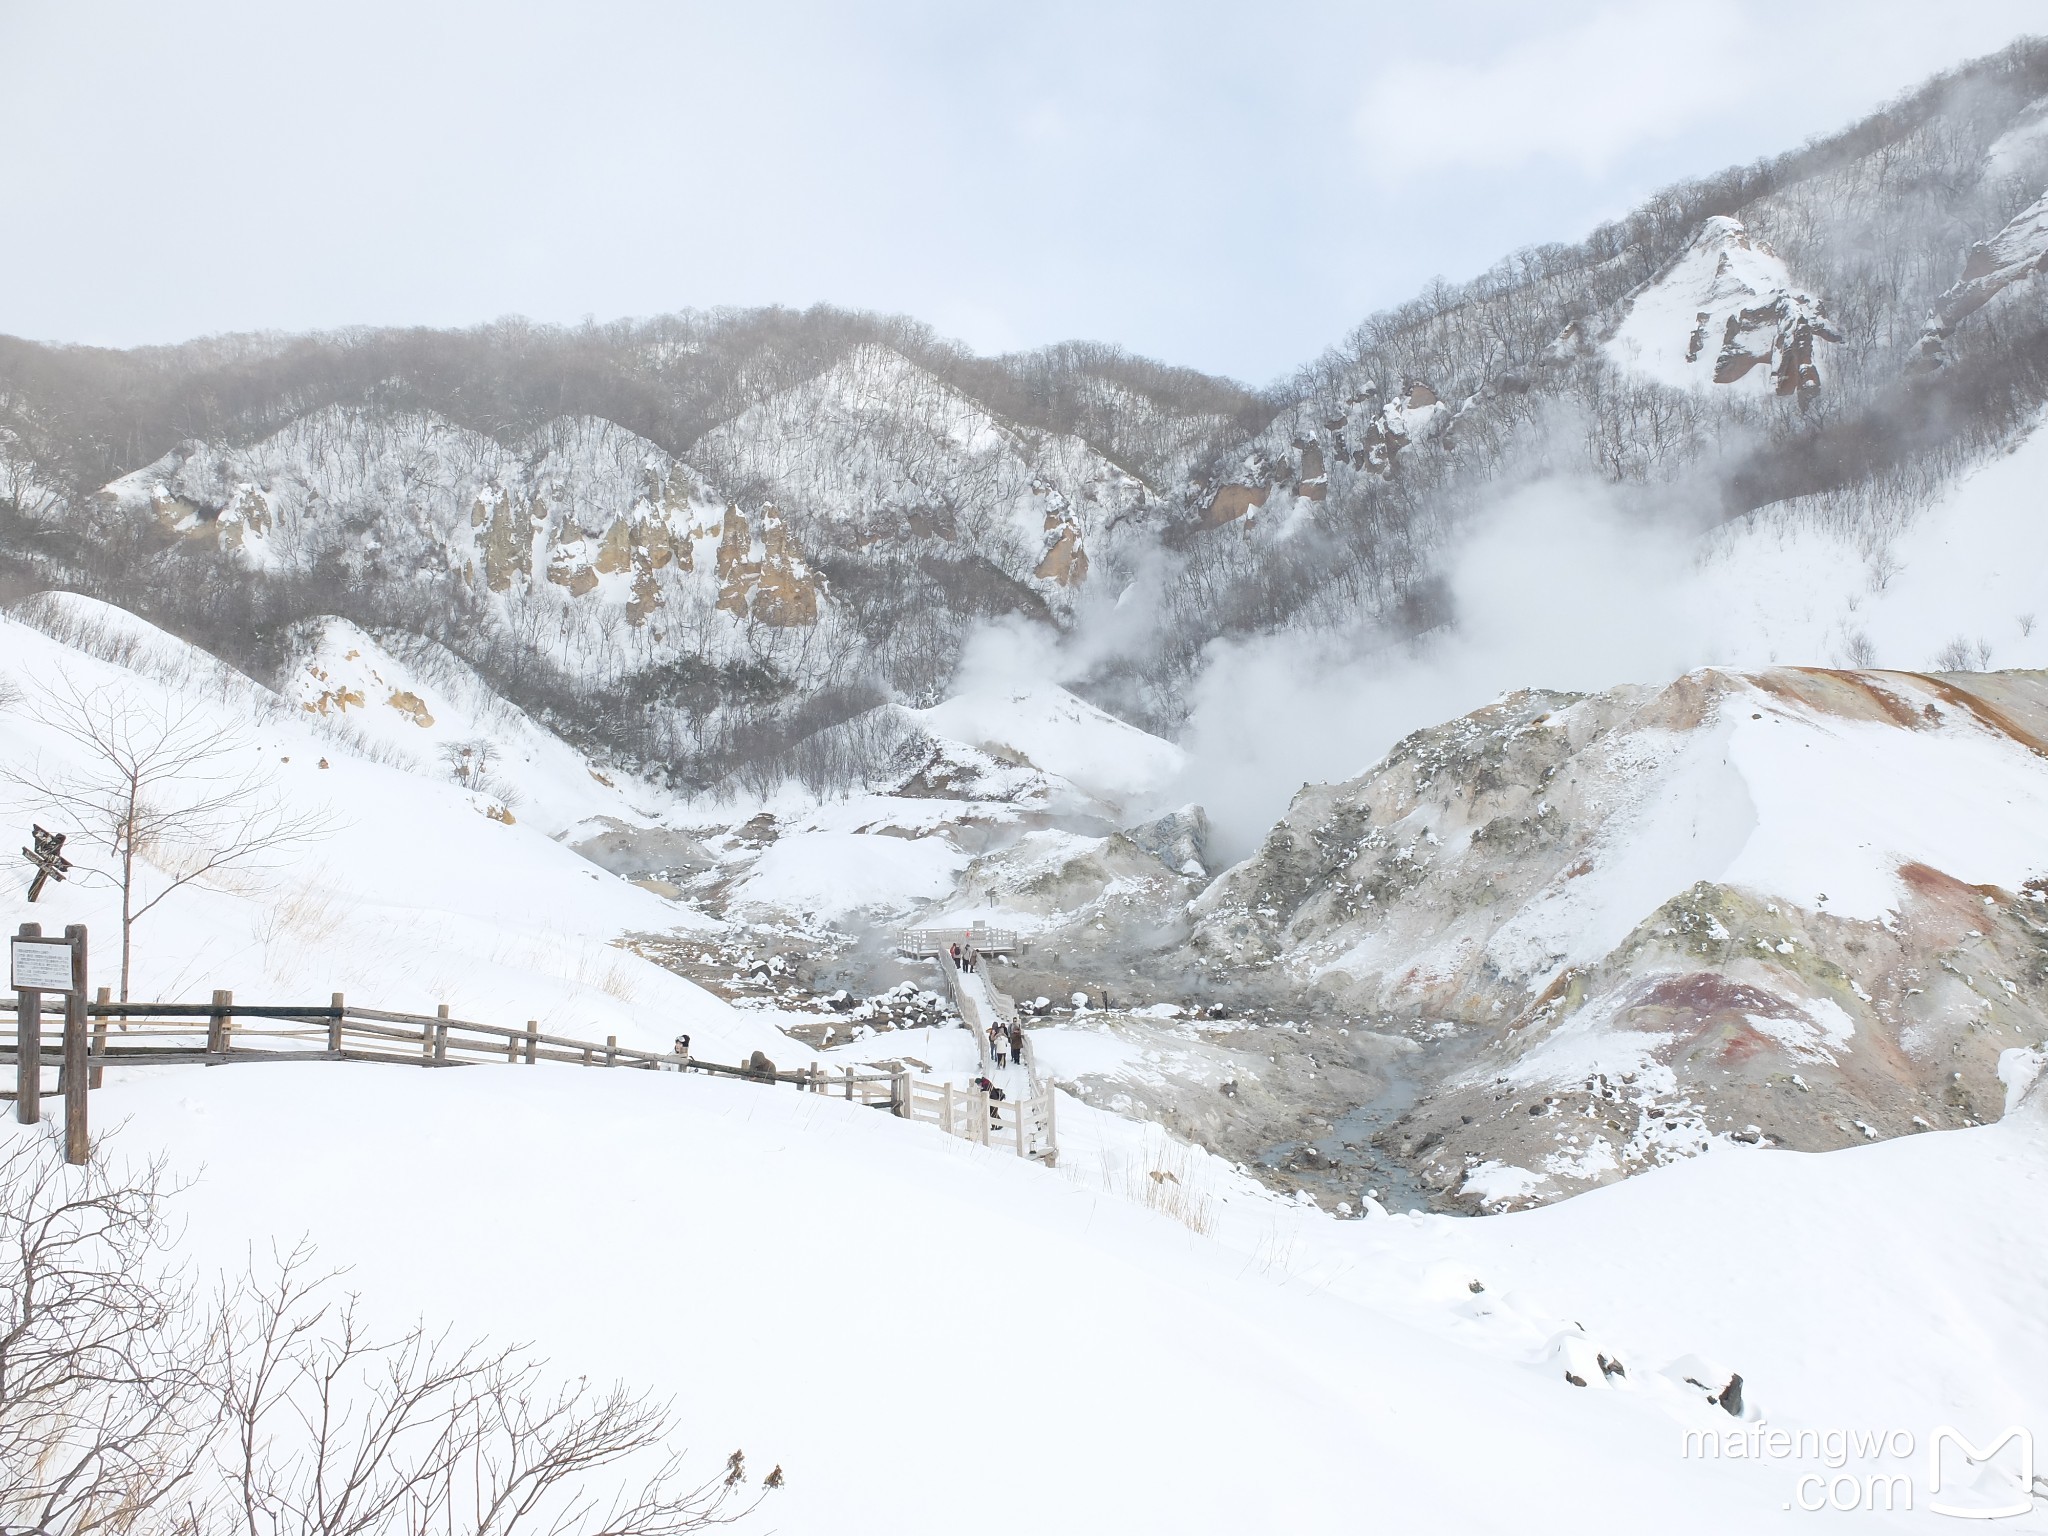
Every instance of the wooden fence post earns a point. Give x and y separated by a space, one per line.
1017 1114
611 1050
430 1034
77 1142
1052 1129
220 1027
441 1038
334 1024
532 1041
899 1093
28 1046
946 1110
980 1117
99 1039
849 1083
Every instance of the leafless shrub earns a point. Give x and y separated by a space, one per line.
2026 623
1858 650
469 764
108 1392
1957 656
127 1408
335 1431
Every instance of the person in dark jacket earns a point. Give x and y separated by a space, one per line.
995 1099
956 959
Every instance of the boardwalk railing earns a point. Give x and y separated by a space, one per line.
225 1032
982 1003
929 943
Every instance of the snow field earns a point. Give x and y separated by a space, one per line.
921 1331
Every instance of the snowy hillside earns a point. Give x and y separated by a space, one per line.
1957 583
815 1282
414 890
1796 906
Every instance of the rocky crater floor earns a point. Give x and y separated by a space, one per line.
1533 950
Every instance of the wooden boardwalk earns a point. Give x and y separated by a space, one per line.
982 1004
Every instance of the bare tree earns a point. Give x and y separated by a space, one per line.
339 1433
108 1396
127 1409
161 791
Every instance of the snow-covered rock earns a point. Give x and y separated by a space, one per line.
1726 313
2016 252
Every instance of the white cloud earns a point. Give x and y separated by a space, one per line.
1591 91
1582 95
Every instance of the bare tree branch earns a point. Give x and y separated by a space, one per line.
159 790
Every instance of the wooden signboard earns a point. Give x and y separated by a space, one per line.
39 965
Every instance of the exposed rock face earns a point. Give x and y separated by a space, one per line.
1725 310
2016 252
1232 502
763 577
1653 918
1179 840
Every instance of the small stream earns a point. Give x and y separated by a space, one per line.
1349 1171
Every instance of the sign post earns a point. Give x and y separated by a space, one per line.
77 1141
48 858
28 1022
37 965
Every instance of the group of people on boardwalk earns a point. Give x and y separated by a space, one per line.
968 958
1006 1044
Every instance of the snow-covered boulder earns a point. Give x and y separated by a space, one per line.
1726 313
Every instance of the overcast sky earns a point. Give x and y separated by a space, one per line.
1230 186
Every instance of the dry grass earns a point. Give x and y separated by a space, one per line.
1165 1175
299 919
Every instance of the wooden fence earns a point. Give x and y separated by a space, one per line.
225 1032
1026 1126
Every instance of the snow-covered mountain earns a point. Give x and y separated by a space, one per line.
589 543
881 452
703 539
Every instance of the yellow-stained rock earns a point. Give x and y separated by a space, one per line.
410 705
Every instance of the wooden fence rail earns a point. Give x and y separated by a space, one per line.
225 1032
